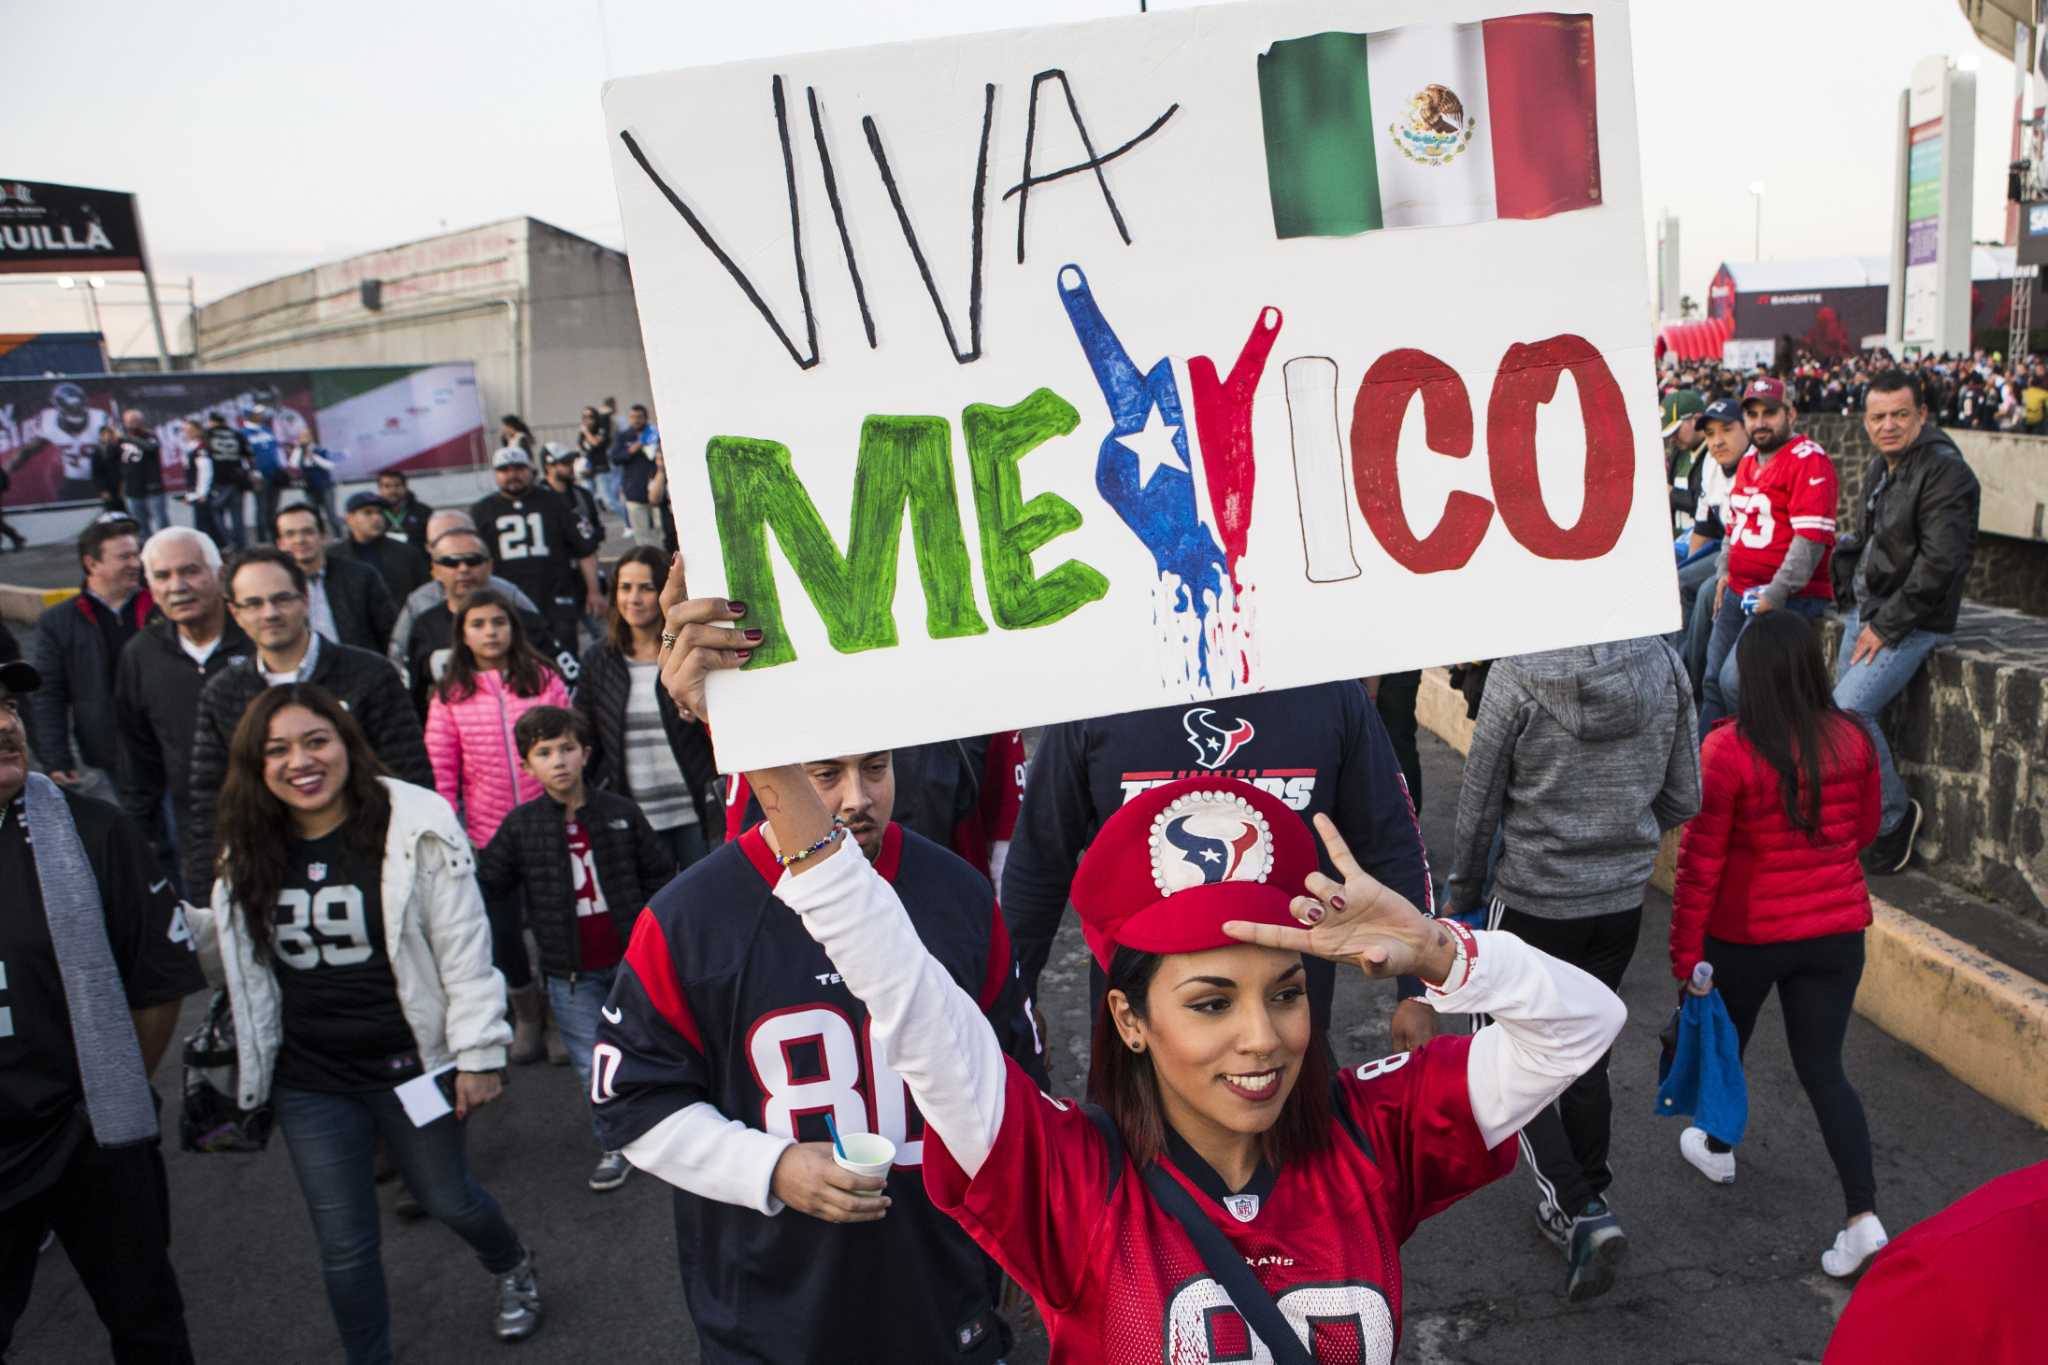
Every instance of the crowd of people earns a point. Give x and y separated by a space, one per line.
423 793
1981 391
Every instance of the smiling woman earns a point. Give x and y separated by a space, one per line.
348 931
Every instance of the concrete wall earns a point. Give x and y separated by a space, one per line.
584 329
546 316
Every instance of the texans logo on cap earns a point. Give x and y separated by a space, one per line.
1206 837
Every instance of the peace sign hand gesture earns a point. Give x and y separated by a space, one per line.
1360 921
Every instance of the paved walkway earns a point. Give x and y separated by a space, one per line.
1724 1275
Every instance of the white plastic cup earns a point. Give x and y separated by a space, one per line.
866 1154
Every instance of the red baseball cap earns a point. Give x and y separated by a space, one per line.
1764 389
1176 864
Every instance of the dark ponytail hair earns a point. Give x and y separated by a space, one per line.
255 828
1122 1081
1786 710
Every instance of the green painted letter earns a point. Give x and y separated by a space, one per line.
903 460
997 438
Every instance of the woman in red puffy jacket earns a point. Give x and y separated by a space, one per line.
1769 890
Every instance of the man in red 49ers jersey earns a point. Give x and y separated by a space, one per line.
1781 535
727 1040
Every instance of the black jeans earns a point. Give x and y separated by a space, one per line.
1566 1143
111 1211
1816 980
1395 701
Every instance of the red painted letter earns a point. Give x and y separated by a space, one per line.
1527 379
1375 444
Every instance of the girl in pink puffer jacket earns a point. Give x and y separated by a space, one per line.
494 677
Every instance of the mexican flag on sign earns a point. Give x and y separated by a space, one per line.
1430 125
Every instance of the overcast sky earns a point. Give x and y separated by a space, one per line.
264 138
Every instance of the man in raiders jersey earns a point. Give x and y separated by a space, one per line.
729 1037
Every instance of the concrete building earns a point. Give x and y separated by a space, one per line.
546 316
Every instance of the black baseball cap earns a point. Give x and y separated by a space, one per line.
1722 410
358 501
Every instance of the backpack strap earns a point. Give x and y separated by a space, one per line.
1106 1126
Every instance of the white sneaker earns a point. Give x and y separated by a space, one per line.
1718 1167
1853 1246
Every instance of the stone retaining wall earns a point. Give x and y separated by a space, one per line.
1970 736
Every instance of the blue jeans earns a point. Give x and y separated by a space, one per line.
1722 682
685 843
152 512
575 1001
332 1139
608 484
228 527
1867 688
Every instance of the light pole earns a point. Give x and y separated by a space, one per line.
1756 193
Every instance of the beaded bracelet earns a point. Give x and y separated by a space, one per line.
832 836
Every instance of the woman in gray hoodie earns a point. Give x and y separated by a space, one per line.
1581 758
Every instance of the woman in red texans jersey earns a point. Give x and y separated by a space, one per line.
1219 1096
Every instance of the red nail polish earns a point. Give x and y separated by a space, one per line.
736 608
1314 914
753 636
1336 902
744 655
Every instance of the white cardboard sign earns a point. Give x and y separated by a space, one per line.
1029 376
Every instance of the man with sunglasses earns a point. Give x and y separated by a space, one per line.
267 593
435 590
462 564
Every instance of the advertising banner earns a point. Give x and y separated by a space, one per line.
413 416
1028 376
1923 230
65 228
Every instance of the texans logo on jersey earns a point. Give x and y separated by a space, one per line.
1215 743
1208 837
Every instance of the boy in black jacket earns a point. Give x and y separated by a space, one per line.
588 862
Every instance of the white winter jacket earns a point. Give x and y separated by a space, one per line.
434 930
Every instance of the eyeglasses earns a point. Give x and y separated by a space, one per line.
460 561
280 600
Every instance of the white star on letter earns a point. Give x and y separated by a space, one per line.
1210 855
1154 446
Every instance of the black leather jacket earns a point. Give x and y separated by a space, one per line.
1918 536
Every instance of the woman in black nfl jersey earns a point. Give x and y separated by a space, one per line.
347 927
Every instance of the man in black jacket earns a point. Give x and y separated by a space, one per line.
401 564
347 601
406 514
588 862
160 676
75 648
1919 534
267 592
142 473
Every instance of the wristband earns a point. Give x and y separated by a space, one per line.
1465 946
832 836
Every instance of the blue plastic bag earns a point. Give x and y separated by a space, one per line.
1700 1074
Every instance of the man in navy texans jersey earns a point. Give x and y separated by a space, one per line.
727 1040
